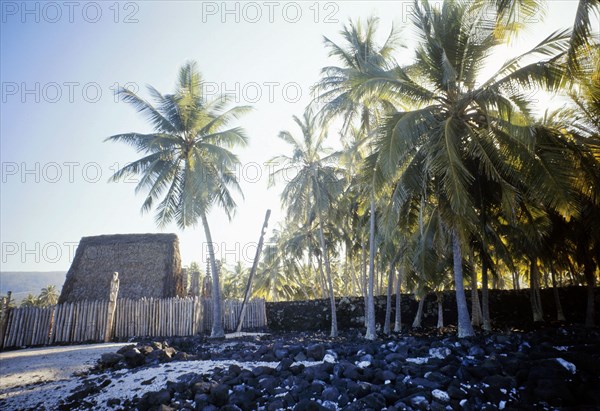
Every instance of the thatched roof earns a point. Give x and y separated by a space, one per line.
149 265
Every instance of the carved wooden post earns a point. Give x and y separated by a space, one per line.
112 305
4 317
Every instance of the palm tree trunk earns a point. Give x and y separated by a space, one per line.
357 277
312 282
440 305
322 279
465 329
388 304
534 284
419 316
380 276
350 272
217 325
476 314
398 319
363 268
485 296
560 316
334 329
370 301
588 271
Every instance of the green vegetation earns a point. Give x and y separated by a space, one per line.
445 177
47 297
453 171
187 167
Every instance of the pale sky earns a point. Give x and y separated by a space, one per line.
61 61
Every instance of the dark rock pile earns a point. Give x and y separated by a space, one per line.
132 356
544 369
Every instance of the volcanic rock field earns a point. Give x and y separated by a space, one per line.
542 369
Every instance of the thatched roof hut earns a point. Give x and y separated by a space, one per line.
149 265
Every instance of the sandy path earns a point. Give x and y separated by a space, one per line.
38 378
31 376
36 365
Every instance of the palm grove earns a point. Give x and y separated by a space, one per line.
445 177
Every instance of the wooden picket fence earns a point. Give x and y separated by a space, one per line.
155 317
33 325
86 321
78 322
256 314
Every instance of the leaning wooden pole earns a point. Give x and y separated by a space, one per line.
112 305
252 272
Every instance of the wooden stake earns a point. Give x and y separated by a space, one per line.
252 272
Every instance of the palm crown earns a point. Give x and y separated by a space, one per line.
187 161
187 165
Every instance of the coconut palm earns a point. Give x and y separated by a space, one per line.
513 13
582 40
30 301
282 274
464 129
187 168
315 187
48 296
359 55
234 281
353 212
392 253
575 135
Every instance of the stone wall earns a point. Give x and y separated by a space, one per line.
507 308
149 265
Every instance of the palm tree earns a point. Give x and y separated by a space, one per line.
48 296
581 41
353 213
281 274
465 130
234 281
315 187
359 55
187 167
512 14
30 301
576 133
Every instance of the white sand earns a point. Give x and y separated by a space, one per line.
40 377
37 365
44 375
